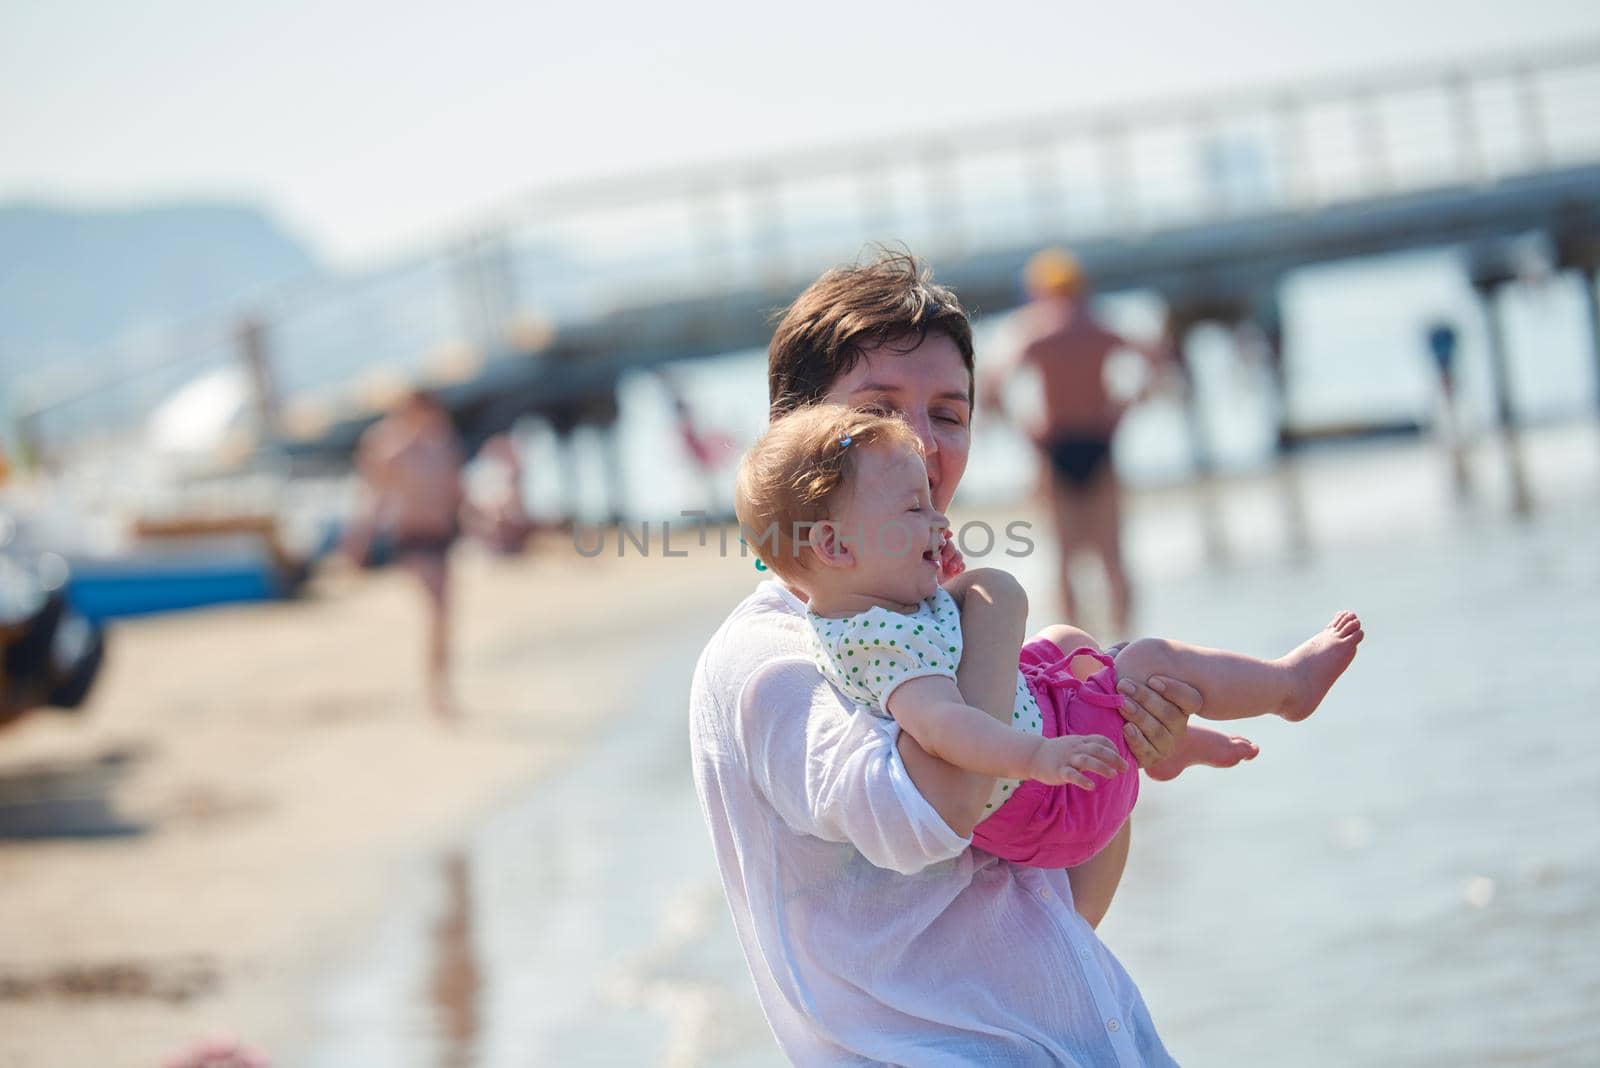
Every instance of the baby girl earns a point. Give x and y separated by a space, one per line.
835 501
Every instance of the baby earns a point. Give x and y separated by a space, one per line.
836 502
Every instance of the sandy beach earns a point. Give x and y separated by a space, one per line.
278 768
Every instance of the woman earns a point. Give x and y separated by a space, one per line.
874 933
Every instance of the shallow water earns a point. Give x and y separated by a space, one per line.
1412 876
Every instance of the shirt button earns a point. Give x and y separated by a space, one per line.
1044 894
1083 953
1112 1025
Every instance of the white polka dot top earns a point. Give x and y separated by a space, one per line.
866 656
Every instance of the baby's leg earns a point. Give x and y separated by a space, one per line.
1068 639
994 615
1236 687
1200 745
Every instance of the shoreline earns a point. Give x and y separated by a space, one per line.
250 735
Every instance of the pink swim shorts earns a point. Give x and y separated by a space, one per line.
1062 826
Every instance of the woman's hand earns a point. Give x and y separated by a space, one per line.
1158 716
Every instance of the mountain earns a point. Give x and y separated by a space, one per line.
74 279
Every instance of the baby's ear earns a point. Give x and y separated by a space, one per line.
829 544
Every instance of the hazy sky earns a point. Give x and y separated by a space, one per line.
372 126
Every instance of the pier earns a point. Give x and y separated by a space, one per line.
1210 202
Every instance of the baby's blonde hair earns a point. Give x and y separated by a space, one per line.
790 477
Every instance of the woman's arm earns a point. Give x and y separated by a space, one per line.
831 772
1095 881
368 512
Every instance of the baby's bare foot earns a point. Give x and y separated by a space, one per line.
1318 663
1202 745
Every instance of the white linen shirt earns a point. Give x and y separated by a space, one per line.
875 935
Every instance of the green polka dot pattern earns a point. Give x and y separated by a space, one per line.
926 642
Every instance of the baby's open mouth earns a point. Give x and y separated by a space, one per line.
929 556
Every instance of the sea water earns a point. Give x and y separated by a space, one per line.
1410 877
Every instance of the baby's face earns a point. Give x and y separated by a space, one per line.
897 530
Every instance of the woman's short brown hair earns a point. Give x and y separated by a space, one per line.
793 474
890 301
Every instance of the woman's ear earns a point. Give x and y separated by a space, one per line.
829 545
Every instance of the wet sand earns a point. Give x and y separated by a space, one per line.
270 772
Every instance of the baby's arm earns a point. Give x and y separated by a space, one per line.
931 710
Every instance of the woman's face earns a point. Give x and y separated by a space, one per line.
928 386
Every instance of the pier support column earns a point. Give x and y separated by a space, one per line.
1442 341
611 462
598 409
251 336
1589 283
567 471
604 410
1180 326
1489 300
616 484
1576 237
1267 316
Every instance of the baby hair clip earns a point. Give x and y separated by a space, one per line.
844 442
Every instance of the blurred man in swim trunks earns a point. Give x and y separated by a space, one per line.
410 462
1068 348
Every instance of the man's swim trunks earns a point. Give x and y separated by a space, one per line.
1078 460
435 546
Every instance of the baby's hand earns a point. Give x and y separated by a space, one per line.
950 562
1065 759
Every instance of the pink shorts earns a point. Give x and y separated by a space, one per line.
1062 826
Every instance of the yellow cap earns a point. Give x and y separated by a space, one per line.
1053 273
